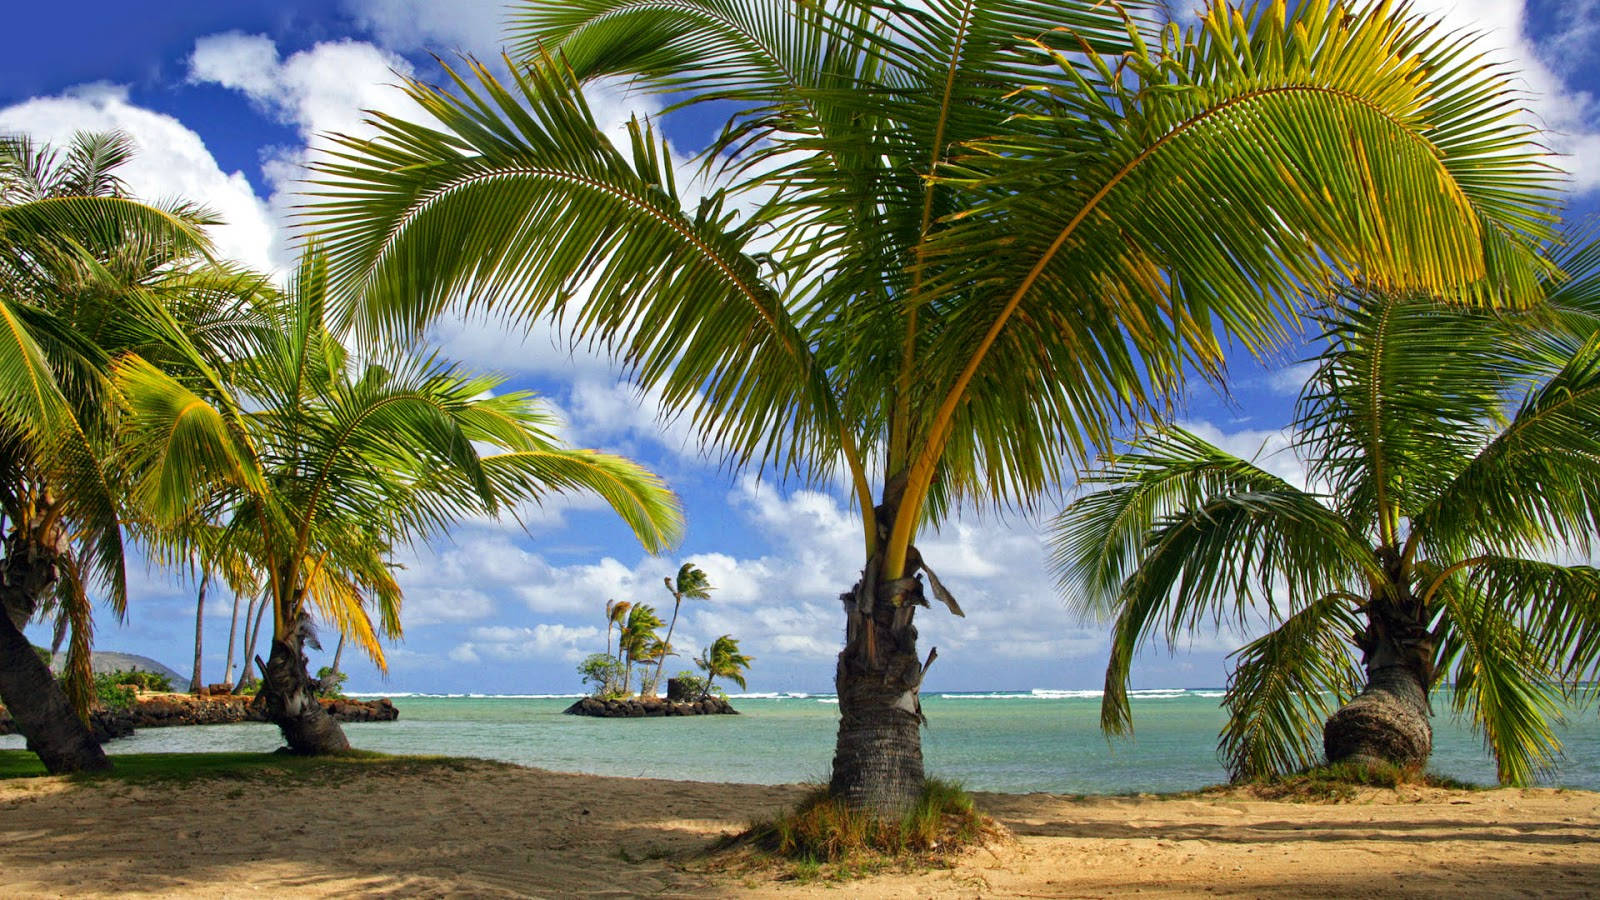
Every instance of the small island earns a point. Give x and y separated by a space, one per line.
688 694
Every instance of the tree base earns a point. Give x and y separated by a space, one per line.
1384 725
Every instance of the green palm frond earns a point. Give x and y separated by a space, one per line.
1502 680
1407 393
1538 480
550 208
1284 685
637 496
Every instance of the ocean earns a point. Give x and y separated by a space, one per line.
1018 742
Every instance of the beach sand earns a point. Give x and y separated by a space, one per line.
485 829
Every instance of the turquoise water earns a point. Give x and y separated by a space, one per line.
1039 741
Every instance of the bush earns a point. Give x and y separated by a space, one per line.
693 685
44 655
604 672
113 692
144 681
330 683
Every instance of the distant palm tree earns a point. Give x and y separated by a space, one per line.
616 614
1425 562
691 583
723 658
638 641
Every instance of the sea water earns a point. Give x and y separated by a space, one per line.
1002 741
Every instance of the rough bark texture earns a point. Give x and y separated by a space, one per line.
877 761
1388 722
42 711
287 691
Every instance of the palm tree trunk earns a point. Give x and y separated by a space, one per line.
33 697
877 760
677 601
196 684
289 695
250 637
233 632
1388 722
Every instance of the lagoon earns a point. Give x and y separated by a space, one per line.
1040 740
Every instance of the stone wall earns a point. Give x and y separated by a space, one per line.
170 710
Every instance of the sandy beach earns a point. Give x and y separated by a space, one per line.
487 829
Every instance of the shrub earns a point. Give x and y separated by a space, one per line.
112 692
44 655
144 681
330 683
604 672
695 685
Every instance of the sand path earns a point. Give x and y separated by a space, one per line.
489 830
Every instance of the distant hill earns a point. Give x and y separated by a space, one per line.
111 661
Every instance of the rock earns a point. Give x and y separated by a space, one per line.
650 707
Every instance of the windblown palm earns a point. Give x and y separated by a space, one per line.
984 231
321 467
691 583
638 641
723 658
88 276
1426 560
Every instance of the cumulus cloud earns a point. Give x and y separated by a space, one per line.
172 162
1569 113
544 641
469 26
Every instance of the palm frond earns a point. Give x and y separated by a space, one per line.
1284 685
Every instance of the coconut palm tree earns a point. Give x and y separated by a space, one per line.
722 658
1419 555
324 465
975 235
616 615
691 583
88 277
637 641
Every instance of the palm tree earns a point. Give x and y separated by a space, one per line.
616 614
691 583
638 641
722 658
982 233
1420 556
324 465
88 277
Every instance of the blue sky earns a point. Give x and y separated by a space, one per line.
225 101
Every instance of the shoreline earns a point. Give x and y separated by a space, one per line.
496 829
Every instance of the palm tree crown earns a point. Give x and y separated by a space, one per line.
977 232
321 466
1419 554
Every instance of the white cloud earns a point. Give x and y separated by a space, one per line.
171 162
1571 114
543 641
471 26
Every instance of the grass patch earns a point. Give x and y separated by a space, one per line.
1342 782
822 839
184 767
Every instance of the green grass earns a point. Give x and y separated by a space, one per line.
1341 782
166 767
822 839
